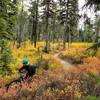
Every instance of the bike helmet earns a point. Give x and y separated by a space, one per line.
25 61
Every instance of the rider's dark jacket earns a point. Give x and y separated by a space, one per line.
31 69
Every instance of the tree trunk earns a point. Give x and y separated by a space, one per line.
64 40
20 35
69 38
46 28
35 23
67 28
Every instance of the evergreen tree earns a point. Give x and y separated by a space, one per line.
74 20
3 19
5 53
48 6
97 28
34 14
22 23
5 56
69 17
95 3
12 16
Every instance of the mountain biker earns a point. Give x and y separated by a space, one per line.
31 69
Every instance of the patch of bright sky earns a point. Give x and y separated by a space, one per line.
90 13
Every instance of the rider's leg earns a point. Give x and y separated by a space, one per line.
27 76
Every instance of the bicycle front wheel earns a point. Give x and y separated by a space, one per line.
14 87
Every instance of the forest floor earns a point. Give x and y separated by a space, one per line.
60 75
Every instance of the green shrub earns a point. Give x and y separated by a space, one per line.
93 49
92 98
5 56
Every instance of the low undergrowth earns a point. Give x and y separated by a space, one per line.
79 54
51 81
58 84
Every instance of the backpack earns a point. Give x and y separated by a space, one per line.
32 68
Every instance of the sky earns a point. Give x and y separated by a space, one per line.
90 13
81 4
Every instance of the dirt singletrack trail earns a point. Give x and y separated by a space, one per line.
65 63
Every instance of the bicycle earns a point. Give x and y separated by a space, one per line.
16 84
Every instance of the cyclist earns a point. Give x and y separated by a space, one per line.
30 69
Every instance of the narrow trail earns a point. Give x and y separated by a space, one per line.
65 63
